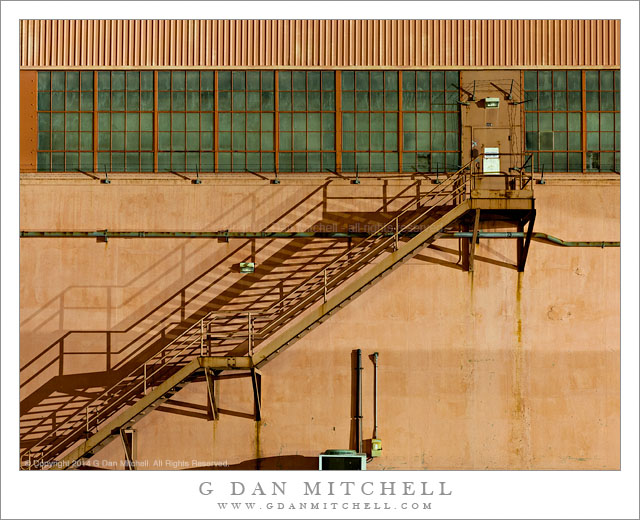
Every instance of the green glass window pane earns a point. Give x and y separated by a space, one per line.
86 122
606 122
437 100
606 141
452 80
423 81
545 121
253 162
146 80
177 141
574 80
177 101
328 141
616 80
44 122
299 122
238 162
451 99
362 162
348 141
574 142
544 80
224 100
299 141
146 141
44 101
164 101
437 140
575 162
164 121
575 122
362 101
593 161
224 80
206 101
285 122
423 101
44 83
606 80
253 101
531 142
253 122
104 162
253 140
531 121
133 100
104 141
117 80
224 140
328 81
104 81
164 140
437 122
193 122
57 80
377 101
299 162
267 79
559 140
616 96
390 100
592 80
423 162
313 101
409 162
44 162
57 162
266 141
408 122
328 122
560 162
267 100
224 122
452 141
164 162
606 101
348 80
177 122
299 80
348 101
117 101
164 80
178 80
285 162
72 122
531 99
530 80
559 121
71 160
286 142
390 141
559 80
146 122
452 121
617 119
193 100
238 140
408 101
206 140
377 80
284 101
133 122
86 101
313 141
362 122
132 141
377 162
238 121
348 162
377 122
193 80
299 101
329 161
117 140
146 162
593 122
391 80
575 101
544 100
117 122
593 140
44 141
207 162
73 80
409 140
57 101
546 140
57 122
560 100
178 161
437 80
193 141
423 140
133 80
313 122
86 81
391 162
284 80
348 122
617 161
86 162
313 80
362 80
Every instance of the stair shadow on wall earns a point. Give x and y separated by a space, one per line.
281 462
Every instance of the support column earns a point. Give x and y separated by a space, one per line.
474 238
256 380
129 442
212 406
523 243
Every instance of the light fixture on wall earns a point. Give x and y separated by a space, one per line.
491 102
247 267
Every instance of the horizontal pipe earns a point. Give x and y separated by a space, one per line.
540 237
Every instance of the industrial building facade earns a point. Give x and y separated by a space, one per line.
197 196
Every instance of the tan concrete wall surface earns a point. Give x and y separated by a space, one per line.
491 369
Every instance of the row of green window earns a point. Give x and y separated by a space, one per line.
571 80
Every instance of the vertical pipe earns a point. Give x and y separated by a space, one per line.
359 401
375 395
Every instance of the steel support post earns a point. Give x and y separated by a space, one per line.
474 238
256 380
523 244
128 437
212 407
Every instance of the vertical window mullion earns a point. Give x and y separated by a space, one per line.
583 95
216 126
338 120
399 124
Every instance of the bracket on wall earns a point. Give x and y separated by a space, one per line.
212 406
523 243
256 381
129 442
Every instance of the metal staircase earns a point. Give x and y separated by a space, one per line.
247 340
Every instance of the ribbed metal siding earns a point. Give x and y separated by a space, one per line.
320 43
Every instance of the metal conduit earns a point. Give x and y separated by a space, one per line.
106 234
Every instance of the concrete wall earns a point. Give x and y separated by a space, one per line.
491 369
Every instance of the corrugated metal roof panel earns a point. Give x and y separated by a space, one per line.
320 43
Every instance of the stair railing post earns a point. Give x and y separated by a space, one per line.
202 337
87 418
250 334
324 273
395 236
145 378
